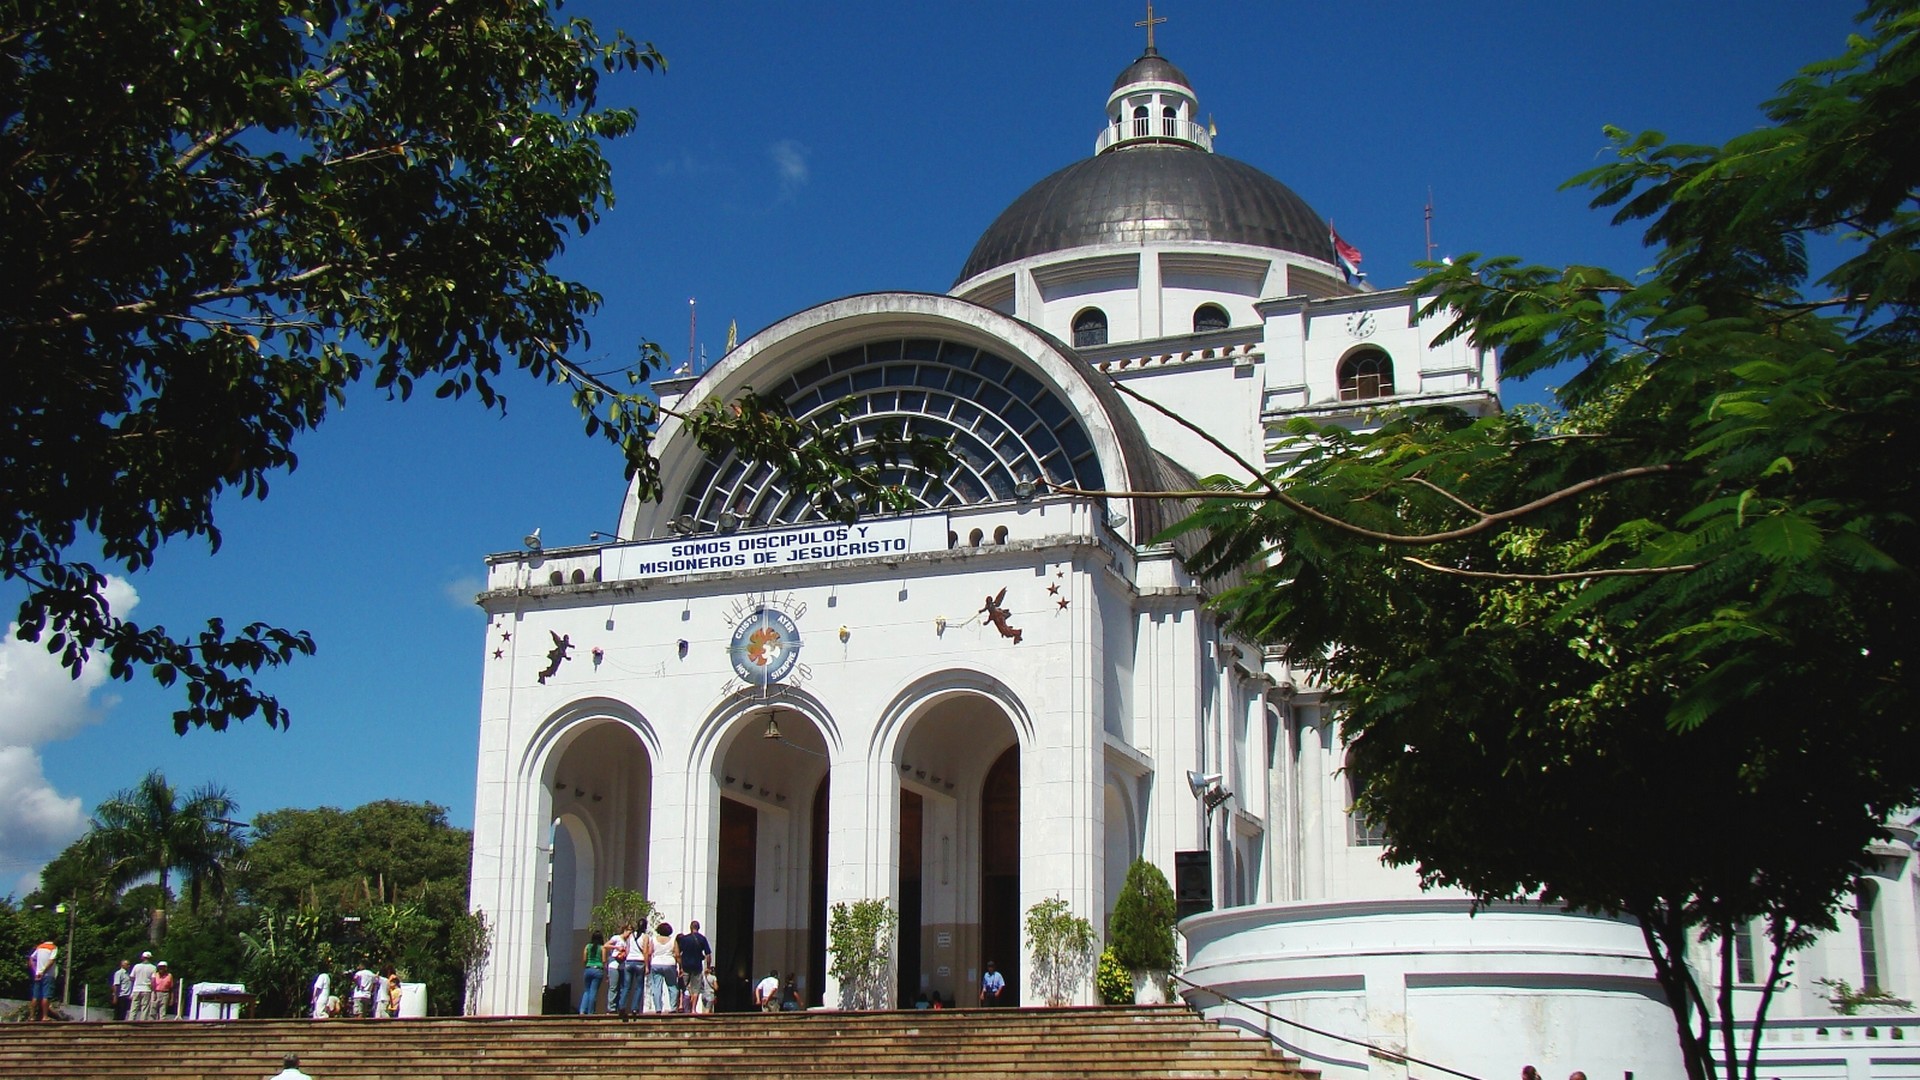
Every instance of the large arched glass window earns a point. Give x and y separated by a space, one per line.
1001 424
1366 373
1210 317
1089 328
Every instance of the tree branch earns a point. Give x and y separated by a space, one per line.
1274 493
1486 522
1571 575
148 307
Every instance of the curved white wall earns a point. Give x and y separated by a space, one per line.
1482 993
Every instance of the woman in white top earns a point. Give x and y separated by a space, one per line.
663 969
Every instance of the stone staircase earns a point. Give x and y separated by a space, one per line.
1168 1042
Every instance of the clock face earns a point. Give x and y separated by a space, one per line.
765 647
1361 324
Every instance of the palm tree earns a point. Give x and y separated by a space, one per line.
146 829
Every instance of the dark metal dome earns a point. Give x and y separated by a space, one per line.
1152 68
1154 193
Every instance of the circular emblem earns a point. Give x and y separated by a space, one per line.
1361 324
765 648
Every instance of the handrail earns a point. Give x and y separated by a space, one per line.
1394 1056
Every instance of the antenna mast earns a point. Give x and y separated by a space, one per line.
1429 224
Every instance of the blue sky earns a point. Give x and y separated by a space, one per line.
793 153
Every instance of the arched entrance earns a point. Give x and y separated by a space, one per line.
771 776
959 854
601 794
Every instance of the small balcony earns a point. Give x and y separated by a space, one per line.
1154 129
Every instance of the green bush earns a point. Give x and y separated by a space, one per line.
1063 947
860 938
1141 932
1113 981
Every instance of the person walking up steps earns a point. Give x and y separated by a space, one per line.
696 955
663 969
593 967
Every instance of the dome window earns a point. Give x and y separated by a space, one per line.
1365 374
1142 123
1169 122
1089 328
1210 317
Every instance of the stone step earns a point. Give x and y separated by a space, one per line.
962 1044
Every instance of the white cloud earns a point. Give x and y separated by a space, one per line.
790 161
40 702
461 591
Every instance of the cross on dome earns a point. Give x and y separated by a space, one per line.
1149 23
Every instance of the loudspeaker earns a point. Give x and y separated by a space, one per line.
1192 882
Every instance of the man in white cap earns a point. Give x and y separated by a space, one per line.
143 973
162 992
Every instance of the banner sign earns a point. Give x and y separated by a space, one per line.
771 549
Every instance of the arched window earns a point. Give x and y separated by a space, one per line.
1867 895
1366 374
1089 328
1141 128
1210 317
1169 122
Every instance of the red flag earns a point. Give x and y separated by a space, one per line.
1349 255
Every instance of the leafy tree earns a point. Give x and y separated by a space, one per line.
387 882
621 907
1063 946
345 861
148 829
1580 653
860 938
222 214
283 951
472 949
1140 931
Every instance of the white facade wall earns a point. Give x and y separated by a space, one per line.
628 749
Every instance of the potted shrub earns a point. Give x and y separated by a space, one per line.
860 938
1141 931
1063 950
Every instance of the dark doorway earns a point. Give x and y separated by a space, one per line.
733 920
911 857
1000 875
817 903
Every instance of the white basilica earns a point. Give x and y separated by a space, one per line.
750 713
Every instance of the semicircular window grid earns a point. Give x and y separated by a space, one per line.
1000 424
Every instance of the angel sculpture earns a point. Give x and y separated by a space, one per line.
998 616
562 649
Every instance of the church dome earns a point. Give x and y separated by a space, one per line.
1151 68
1152 193
1153 179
